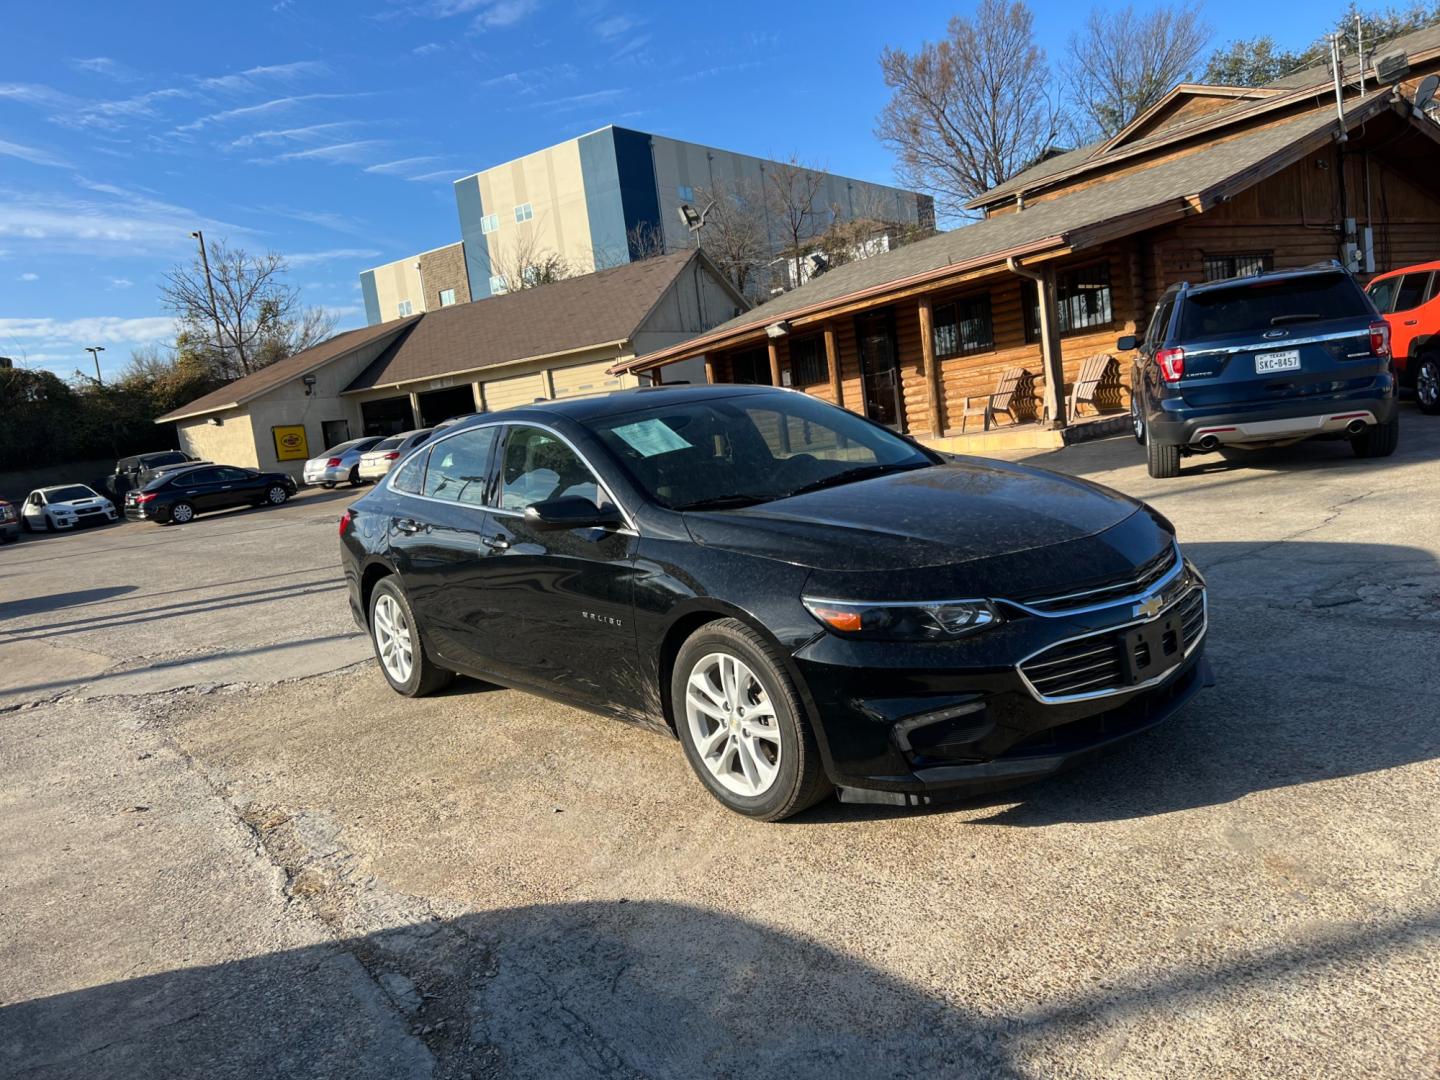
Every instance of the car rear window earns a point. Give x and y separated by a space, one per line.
1254 306
387 444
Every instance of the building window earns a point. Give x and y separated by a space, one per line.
523 212
964 327
489 223
1220 267
687 193
497 284
447 297
1082 296
807 362
405 308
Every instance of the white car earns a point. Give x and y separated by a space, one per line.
63 507
340 464
377 461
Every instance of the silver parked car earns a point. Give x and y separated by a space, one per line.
340 464
376 461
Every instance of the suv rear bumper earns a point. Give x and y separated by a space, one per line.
1269 421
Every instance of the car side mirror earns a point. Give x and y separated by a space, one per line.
571 512
1128 343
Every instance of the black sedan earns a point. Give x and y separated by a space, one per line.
176 496
807 600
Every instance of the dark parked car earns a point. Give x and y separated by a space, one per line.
140 469
9 522
1276 357
807 599
178 495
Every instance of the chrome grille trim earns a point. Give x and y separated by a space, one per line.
1131 590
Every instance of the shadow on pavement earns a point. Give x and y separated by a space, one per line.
608 989
40 605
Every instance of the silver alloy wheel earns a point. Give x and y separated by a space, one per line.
276 495
733 724
182 513
393 640
1427 383
1136 420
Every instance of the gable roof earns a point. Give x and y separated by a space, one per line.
282 371
1418 43
602 308
1076 219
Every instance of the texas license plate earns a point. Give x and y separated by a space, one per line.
1289 360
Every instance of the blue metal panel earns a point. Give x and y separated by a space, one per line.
604 204
477 249
639 197
372 298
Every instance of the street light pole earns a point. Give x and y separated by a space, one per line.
210 285
95 351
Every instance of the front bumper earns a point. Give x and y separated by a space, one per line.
908 724
1286 418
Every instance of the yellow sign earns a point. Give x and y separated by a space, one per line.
290 444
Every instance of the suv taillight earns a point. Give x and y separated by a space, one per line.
1172 363
333 463
345 522
1380 338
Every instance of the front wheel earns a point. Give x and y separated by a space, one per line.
1378 440
1427 385
742 724
275 494
395 636
1137 417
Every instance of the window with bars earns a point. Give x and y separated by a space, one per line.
1082 299
1220 267
807 362
963 327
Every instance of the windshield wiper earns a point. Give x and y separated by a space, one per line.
1278 319
724 502
850 476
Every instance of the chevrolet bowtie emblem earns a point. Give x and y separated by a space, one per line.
1149 607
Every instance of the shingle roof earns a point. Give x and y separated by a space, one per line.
594 309
1051 166
282 371
1054 220
1420 41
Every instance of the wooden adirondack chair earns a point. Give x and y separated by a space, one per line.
1099 377
1015 385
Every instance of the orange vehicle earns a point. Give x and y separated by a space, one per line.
1410 301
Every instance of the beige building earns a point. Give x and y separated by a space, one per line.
554 341
416 284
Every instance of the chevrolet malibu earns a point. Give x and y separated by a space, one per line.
808 601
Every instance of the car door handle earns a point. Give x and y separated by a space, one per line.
225 487
1412 322
409 526
495 543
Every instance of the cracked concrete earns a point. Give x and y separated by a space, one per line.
266 875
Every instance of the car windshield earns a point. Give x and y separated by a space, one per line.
1261 304
70 494
713 454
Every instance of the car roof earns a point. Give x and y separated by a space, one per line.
624 401
60 487
1267 275
1418 268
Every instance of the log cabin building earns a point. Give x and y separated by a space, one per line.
1211 182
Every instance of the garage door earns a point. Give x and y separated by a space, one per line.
519 390
584 379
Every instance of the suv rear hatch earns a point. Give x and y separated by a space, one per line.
1278 337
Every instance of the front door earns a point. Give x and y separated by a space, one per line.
880 368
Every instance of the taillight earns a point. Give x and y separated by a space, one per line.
392 455
147 498
1380 338
1172 363
333 463
345 522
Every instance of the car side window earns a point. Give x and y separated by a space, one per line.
1155 334
1433 289
1382 294
201 476
459 465
1412 291
229 476
538 466
411 475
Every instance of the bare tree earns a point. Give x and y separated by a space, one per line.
969 112
1122 62
796 208
524 264
734 232
258 315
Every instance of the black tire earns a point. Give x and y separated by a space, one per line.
1378 440
276 495
355 480
328 484
182 513
1163 458
1427 384
1137 415
800 781
25 524
425 676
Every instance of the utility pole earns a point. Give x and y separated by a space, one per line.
95 351
210 285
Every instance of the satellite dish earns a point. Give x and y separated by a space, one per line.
1425 96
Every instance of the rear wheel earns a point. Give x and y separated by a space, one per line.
1164 458
355 480
1427 384
1377 441
182 513
396 639
742 724
328 484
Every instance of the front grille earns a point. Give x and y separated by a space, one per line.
1095 664
1131 583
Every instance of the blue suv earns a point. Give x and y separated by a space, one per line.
1271 358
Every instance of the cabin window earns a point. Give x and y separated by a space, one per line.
964 327
807 362
404 308
1082 299
1220 267
447 297
489 223
523 212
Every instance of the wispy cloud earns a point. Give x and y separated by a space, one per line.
124 224
31 154
632 46
310 132
438 174
110 329
104 65
430 48
264 108
404 166
74 112
580 101
503 13
268 74
326 219
27 276
613 26
531 80
313 258
121 283
356 152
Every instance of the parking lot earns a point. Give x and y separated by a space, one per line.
231 851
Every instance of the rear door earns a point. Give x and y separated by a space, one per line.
1405 324
236 487
1264 338
201 488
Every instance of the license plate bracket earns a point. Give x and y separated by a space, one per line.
1152 648
1271 362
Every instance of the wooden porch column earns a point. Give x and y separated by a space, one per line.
932 367
1052 358
774 351
832 363
709 368
655 377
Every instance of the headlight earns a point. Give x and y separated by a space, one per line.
918 621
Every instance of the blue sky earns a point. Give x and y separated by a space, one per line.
330 132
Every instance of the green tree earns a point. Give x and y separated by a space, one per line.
1252 62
